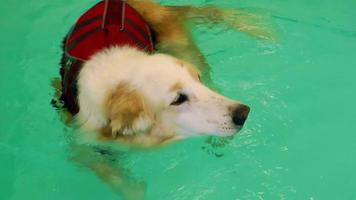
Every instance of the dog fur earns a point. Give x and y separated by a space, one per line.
125 94
131 93
128 95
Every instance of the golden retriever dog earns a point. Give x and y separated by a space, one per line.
124 93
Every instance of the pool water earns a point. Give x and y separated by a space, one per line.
299 141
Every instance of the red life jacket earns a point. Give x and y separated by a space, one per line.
108 23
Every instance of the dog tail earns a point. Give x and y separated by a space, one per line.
238 19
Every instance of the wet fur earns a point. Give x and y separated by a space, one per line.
124 105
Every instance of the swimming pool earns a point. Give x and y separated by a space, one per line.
298 143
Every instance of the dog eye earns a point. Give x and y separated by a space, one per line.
181 98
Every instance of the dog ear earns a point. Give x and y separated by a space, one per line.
127 111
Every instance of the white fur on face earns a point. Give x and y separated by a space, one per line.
205 112
160 78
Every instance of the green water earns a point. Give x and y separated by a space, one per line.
299 141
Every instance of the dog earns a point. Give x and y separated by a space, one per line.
138 77
132 93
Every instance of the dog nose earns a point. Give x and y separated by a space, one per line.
239 114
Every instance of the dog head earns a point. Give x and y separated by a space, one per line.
155 94
182 104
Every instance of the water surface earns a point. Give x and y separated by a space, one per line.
299 141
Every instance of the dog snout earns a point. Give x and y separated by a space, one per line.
239 114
